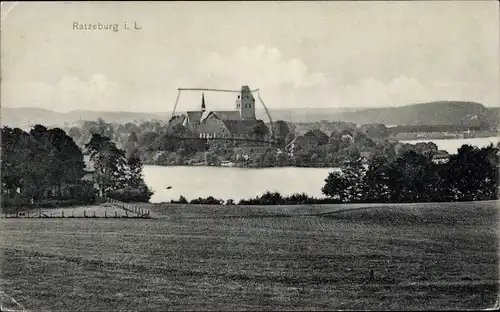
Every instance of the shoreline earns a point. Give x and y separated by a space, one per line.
413 140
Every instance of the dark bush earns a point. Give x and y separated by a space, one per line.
127 195
275 198
182 200
207 201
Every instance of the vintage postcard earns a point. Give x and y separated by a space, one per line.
243 155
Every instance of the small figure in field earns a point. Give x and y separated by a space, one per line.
372 276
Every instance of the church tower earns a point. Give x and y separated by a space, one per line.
203 107
245 104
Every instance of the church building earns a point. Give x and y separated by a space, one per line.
224 124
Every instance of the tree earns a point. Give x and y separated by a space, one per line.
281 160
105 129
473 173
413 178
281 131
335 186
211 159
45 171
131 144
110 163
75 133
69 166
14 159
317 135
377 179
260 130
46 163
354 172
375 130
135 165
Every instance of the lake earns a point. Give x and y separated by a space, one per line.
238 183
452 145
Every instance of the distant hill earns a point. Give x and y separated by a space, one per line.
305 114
432 113
27 116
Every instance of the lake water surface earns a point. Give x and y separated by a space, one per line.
452 145
238 183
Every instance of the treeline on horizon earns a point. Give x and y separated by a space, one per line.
45 168
471 174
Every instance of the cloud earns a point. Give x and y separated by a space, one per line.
259 67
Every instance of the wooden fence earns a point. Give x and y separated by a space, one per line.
132 208
130 211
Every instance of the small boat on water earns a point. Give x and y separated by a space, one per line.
227 163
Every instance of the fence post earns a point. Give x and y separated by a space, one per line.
94 214
116 214
62 214
85 213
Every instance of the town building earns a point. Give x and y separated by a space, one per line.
440 157
238 123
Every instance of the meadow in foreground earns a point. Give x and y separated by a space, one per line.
423 256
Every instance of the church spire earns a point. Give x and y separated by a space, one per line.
203 102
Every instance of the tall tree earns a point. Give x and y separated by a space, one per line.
281 131
413 178
110 163
335 186
377 179
473 173
131 145
135 165
260 130
354 173
319 136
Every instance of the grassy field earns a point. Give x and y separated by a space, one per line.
192 257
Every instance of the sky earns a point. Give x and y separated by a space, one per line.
299 54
